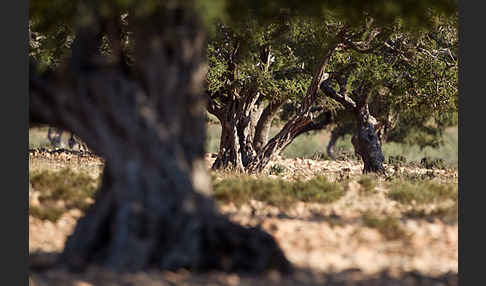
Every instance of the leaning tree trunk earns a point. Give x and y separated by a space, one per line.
249 140
367 145
153 208
365 140
302 121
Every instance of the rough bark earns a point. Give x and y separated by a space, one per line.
262 129
299 121
303 122
250 141
366 143
365 139
153 208
229 155
236 145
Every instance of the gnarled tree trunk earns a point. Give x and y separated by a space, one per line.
366 143
249 141
153 208
365 139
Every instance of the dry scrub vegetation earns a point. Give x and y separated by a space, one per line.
335 225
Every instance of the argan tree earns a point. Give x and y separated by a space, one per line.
413 73
255 69
129 81
145 117
415 80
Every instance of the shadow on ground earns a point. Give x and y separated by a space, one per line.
45 271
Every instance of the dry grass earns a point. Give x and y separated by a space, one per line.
278 192
56 192
369 183
347 230
421 192
448 214
388 226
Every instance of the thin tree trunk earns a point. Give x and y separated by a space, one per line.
153 208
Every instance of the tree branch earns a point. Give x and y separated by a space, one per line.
362 47
323 119
345 100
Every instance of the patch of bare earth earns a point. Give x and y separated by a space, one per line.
327 243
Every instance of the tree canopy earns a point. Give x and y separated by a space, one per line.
130 78
257 68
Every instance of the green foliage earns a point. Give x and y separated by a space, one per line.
413 79
278 192
238 63
425 32
414 14
421 192
48 49
277 169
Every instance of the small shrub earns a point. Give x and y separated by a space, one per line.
368 182
430 163
446 214
277 169
413 176
421 193
50 213
397 160
346 155
61 191
389 227
278 192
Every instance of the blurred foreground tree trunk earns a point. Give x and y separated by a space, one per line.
147 121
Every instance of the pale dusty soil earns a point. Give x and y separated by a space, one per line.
328 244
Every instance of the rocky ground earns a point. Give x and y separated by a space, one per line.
327 243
